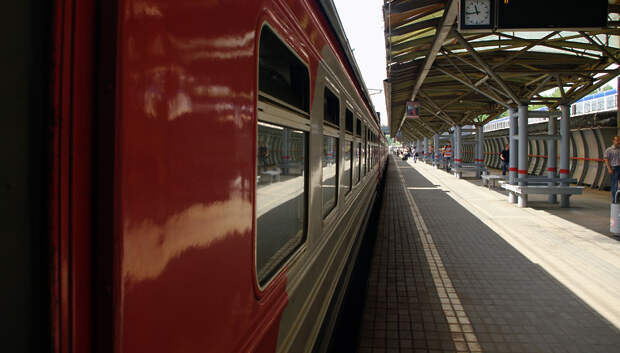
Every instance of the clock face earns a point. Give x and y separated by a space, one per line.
477 12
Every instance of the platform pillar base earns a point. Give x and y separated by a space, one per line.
564 201
522 200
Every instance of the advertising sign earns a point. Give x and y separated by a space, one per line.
412 110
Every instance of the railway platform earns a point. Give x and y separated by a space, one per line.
456 268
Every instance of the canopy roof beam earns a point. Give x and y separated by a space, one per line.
485 66
602 48
449 17
491 97
438 109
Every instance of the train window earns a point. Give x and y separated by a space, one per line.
283 78
348 166
609 102
601 104
329 180
348 121
331 108
364 151
280 196
358 130
586 107
356 164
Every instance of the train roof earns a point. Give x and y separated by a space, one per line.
610 92
332 16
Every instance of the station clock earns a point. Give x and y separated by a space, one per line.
477 15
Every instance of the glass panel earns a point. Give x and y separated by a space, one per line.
281 74
349 121
610 101
280 196
329 180
331 108
358 126
348 166
364 148
357 168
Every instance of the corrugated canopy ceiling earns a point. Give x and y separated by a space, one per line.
471 78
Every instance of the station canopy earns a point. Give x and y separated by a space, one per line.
471 78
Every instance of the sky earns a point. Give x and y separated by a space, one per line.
363 24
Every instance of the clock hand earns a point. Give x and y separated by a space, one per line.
475 7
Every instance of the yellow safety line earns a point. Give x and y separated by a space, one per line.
462 331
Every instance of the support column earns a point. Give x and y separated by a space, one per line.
551 156
436 149
479 151
523 160
564 152
457 152
513 152
426 149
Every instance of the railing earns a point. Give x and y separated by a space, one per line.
587 147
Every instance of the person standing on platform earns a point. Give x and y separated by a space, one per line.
447 155
504 155
415 155
612 160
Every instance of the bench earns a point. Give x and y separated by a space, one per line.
490 180
479 170
523 190
273 174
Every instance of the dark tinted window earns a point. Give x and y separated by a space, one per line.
280 73
358 130
331 108
349 121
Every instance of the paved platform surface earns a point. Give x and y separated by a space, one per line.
446 279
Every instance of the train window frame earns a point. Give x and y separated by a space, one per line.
328 90
264 96
358 156
271 110
364 153
346 118
349 140
331 132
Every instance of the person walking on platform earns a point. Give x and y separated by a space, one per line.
447 155
504 155
612 160
415 155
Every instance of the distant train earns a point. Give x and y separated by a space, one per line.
593 103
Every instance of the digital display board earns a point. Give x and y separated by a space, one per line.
540 14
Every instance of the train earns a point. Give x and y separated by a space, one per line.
598 102
200 176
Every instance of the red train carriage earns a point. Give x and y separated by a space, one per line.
211 166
